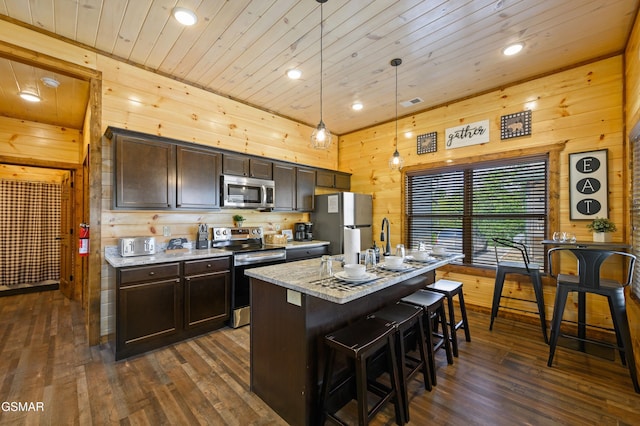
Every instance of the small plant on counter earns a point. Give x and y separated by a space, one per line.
601 225
238 219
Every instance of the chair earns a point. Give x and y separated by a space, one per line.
359 343
526 267
450 289
408 320
589 280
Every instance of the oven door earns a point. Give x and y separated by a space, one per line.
240 296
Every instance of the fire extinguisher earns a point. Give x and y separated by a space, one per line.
83 246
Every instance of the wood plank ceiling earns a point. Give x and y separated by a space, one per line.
242 49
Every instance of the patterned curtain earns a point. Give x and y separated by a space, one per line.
29 227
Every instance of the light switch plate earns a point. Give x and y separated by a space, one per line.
294 297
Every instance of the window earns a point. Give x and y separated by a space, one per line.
635 209
463 209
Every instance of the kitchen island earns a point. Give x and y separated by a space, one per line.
291 312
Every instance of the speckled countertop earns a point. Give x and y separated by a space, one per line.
303 276
114 259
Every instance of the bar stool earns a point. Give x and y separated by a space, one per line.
526 267
359 342
450 289
433 305
589 281
408 321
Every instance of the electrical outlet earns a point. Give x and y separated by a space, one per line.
166 231
277 226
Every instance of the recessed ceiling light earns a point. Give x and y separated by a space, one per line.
184 16
513 49
29 96
357 106
294 74
50 82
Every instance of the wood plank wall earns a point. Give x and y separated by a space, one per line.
632 117
580 109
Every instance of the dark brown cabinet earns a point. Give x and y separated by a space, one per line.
145 174
206 286
306 253
242 165
294 187
160 304
198 173
330 179
148 308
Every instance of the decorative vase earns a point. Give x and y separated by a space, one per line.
239 223
602 237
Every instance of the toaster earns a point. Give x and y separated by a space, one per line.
137 246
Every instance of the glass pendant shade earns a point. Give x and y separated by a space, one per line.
396 162
321 137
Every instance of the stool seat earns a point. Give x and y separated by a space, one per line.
408 320
450 289
359 342
433 305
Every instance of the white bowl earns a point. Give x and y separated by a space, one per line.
354 270
393 261
421 255
439 250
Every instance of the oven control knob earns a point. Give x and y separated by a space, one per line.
257 231
217 232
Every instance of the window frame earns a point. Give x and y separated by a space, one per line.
551 151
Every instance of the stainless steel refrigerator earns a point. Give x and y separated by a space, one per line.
334 212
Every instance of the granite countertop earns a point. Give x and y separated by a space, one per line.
303 276
114 259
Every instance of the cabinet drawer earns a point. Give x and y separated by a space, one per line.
196 267
306 253
147 273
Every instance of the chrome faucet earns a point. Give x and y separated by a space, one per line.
387 249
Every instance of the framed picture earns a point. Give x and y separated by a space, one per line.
588 187
427 143
515 125
288 233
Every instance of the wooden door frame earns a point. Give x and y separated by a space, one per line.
93 141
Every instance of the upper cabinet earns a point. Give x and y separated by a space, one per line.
294 187
331 179
155 174
198 173
242 165
144 174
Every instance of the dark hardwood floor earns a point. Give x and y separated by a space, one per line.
500 378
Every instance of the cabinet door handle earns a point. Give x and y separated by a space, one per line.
152 273
208 265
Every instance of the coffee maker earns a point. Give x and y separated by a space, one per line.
303 231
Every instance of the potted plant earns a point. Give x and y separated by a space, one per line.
602 229
238 220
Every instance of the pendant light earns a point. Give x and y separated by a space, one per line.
396 162
321 136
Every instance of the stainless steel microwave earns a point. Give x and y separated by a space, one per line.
244 192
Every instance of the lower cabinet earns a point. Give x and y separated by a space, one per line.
160 304
206 288
306 253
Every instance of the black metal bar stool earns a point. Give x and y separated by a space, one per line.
526 267
433 305
408 320
589 281
450 289
359 343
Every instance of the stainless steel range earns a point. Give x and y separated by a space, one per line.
249 251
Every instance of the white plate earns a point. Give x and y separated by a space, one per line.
368 276
426 259
395 268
